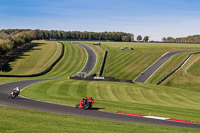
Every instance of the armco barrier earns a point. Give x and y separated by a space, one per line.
103 63
45 71
176 68
102 79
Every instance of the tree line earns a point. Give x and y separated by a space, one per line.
76 35
12 38
10 41
188 39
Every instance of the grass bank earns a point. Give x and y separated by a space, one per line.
168 67
125 64
26 121
72 62
187 77
122 97
100 54
35 60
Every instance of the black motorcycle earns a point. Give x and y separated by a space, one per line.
14 94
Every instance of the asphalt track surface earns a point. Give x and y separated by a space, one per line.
144 76
91 61
31 104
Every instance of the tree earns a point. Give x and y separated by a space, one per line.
146 39
164 39
139 38
126 38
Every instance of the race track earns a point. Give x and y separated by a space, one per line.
144 76
25 103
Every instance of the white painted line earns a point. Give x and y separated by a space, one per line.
158 68
87 58
51 57
40 100
155 117
45 101
95 61
150 66
185 62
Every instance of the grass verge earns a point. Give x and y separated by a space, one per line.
122 97
35 60
183 78
168 67
72 62
100 54
125 64
26 121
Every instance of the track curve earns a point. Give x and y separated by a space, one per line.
26 103
144 76
91 61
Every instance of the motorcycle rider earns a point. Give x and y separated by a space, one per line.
16 90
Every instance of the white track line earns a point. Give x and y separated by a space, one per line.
51 57
158 69
155 117
151 66
87 58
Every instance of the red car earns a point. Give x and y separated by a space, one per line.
85 103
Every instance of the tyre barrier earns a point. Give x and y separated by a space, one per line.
176 68
102 79
45 71
103 63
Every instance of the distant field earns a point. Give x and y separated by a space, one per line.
26 121
168 67
122 97
100 54
35 60
195 67
129 64
179 98
187 77
72 62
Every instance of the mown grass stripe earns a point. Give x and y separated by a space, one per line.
113 96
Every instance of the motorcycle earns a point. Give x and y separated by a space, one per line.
85 103
14 94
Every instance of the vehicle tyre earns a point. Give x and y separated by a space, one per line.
87 106
77 106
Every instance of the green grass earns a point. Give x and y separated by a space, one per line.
72 62
36 60
168 67
129 64
26 121
122 97
100 54
180 100
183 79
194 69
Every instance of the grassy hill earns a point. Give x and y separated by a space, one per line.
121 97
125 64
26 121
100 54
185 78
72 62
178 98
168 67
34 60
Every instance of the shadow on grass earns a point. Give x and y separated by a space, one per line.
18 54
